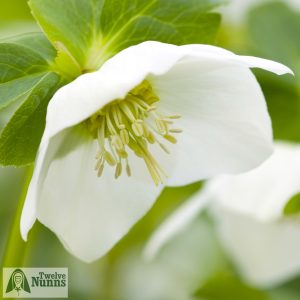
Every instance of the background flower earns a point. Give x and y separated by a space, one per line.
256 216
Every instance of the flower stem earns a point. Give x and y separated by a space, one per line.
15 250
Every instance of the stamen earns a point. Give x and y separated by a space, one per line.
132 123
117 142
137 129
170 138
123 154
151 138
100 170
118 171
128 170
109 158
174 117
176 130
164 148
167 121
98 164
161 126
152 108
124 136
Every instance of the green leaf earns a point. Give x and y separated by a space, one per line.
26 85
292 207
283 101
226 286
15 89
36 42
16 61
22 62
282 94
272 31
90 31
20 138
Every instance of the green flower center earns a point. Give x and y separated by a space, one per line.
131 124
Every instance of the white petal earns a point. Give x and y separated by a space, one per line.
262 193
44 158
89 214
225 122
266 254
175 224
217 53
88 93
268 65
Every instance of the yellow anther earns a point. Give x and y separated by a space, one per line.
174 117
118 171
170 138
167 121
175 130
124 136
128 170
109 158
151 138
161 126
137 129
123 154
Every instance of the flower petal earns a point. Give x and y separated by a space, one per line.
87 94
266 254
263 192
84 96
44 158
89 214
225 122
217 53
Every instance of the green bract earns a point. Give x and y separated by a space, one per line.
91 31
25 78
83 34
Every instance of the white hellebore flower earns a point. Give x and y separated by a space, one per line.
257 217
124 114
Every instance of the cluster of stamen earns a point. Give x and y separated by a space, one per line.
132 124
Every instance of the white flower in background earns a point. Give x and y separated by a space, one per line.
121 121
177 272
253 213
235 11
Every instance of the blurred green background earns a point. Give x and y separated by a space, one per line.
193 265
